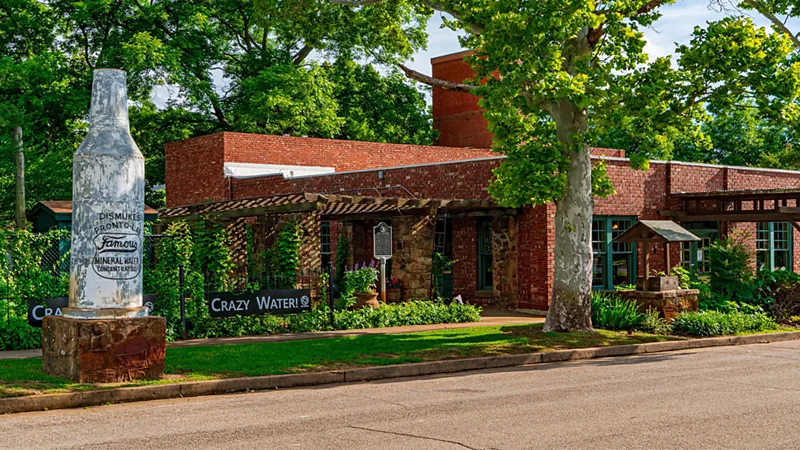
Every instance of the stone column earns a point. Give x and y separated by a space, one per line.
105 334
505 258
412 261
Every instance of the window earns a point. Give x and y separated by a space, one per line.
614 263
485 279
694 256
325 243
774 246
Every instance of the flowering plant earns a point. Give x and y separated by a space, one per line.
395 283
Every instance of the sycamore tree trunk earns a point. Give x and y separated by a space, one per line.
570 305
19 179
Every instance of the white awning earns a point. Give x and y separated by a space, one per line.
249 170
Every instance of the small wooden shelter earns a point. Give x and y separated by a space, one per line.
655 231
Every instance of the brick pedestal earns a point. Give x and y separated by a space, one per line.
104 351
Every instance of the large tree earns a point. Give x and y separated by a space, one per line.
41 105
556 74
299 67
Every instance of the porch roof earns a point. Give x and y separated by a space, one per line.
333 206
656 231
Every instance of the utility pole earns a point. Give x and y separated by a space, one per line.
19 178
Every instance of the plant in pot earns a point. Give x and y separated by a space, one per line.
394 290
361 285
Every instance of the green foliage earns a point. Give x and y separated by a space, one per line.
779 293
287 246
410 313
716 323
342 255
655 324
441 264
731 274
379 108
29 268
360 281
612 313
259 49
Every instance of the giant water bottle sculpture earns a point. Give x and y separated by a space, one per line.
108 209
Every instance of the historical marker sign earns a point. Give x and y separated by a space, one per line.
382 241
278 302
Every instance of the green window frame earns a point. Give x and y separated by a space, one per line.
613 263
694 257
774 246
485 276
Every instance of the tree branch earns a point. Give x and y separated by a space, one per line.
775 21
435 82
302 54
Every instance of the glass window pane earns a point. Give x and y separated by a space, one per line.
781 260
598 236
621 269
598 272
325 238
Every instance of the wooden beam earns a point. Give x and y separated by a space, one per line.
290 208
730 216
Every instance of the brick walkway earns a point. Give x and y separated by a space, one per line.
489 318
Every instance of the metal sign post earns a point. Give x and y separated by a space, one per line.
382 250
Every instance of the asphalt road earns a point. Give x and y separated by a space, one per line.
730 397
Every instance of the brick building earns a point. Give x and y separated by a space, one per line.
439 203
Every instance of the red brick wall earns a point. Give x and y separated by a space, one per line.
195 166
464 180
341 155
465 257
536 253
194 170
456 115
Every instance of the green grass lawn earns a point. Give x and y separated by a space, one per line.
24 377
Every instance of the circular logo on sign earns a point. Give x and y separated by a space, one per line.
305 301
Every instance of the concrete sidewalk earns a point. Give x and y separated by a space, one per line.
489 317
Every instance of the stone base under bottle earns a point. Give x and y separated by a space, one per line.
104 350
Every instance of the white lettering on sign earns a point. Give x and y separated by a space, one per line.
229 305
38 312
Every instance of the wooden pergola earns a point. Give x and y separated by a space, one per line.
760 205
334 207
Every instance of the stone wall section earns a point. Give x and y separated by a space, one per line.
412 260
505 234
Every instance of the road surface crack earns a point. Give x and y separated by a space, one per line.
397 433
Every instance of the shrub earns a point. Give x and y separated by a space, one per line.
16 334
613 313
654 323
779 293
731 274
409 313
716 323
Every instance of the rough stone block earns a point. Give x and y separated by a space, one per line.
104 351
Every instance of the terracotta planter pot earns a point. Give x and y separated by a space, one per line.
366 300
393 295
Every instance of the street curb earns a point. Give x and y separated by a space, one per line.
46 402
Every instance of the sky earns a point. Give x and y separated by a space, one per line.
673 28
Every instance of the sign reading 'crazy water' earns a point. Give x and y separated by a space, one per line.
277 302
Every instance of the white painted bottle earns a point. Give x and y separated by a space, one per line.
107 209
